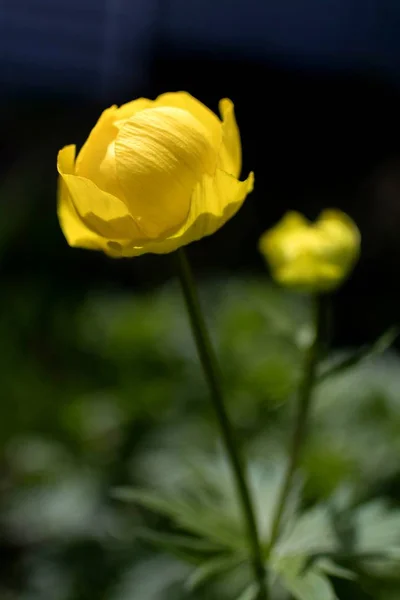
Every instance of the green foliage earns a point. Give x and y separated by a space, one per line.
309 585
103 400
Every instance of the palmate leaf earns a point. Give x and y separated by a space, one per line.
189 515
201 502
214 554
213 568
311 534
302 585
192 549
204 481
201 499
202 505
374 525
372 546
378 538
377 527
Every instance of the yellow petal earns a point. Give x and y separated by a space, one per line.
214 202
74 230
161 154
293 220
231 150
181 100
94 149
308 274
283 241
196 108
101 213
128 110
342 234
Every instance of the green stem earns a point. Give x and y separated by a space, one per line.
303 411
209 363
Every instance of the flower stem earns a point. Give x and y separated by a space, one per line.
209 363
302 415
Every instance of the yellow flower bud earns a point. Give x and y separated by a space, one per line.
312 257
152 176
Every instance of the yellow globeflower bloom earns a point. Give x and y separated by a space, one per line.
313 257
152 176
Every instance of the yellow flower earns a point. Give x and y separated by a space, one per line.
152 176
313 257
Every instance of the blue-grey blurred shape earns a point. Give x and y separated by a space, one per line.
90 47
102 47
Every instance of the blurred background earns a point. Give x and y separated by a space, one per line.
97 365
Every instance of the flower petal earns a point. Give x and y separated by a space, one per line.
203 114
307 273
215 201
161 154
342 235
282 242
74 230
94 149
231 150
128 110
102 213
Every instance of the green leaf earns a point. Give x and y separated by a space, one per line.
190 515
147 499
378 528
189 547
250 593
312 532
363 354
321 557
329 567
291 562
375 545
309 585
210 569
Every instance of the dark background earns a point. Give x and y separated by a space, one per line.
316 89
316 86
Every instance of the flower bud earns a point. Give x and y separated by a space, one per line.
312 257
152 176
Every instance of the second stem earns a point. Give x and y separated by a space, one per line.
302 414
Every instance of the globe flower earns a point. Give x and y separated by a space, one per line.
152 176
312 257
